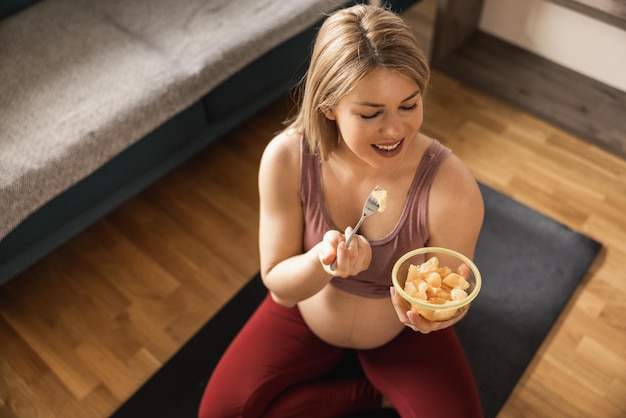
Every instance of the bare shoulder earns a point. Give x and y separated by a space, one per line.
456 207
283 151
455 178
280 165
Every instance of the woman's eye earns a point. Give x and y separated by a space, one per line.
412 107
370 116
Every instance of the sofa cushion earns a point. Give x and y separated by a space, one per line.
80 81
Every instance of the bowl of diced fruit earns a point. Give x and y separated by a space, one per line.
438 283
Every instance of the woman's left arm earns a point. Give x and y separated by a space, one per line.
455 217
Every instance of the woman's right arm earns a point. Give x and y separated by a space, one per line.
289 274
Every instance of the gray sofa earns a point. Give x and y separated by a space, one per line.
100 99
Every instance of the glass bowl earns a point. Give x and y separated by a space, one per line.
434 308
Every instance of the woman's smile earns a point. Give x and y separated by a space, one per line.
389 149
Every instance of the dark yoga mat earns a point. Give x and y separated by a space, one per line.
531 265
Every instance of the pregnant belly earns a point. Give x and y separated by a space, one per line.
351 321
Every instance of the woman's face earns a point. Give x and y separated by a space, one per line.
379 119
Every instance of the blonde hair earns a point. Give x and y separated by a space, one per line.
350 44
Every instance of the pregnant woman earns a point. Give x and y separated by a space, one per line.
357 126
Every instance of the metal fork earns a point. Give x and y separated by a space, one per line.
370 207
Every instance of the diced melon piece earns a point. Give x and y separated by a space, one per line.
412 274
433 279
422 286
380 196
421 296
433 292
444 294
444 271
458 294
456 280
428 266
410 287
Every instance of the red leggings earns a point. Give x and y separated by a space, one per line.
276 367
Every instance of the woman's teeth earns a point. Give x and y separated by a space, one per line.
388 147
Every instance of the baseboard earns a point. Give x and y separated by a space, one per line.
570 101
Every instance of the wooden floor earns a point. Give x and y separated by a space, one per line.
84 328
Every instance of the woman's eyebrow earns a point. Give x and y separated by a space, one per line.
370 104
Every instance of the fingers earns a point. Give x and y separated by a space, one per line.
412 320
463 269
328 247
344 260
402 309
405 315
327 254
400 305
421 324
361 253
425 326
418 323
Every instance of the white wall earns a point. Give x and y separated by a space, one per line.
587 46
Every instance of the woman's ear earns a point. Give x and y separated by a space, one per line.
328 112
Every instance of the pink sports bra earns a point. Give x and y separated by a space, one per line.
410 232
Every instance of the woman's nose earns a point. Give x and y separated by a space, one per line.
392 126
